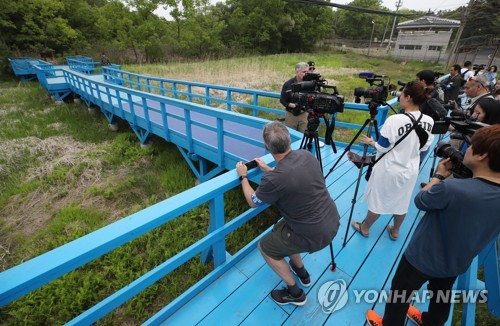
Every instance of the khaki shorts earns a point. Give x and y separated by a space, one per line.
298 122
277 244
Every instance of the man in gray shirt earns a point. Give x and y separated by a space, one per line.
310 217
461 219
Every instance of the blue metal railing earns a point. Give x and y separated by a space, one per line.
217 94
82 65
38 271
114 101
25 67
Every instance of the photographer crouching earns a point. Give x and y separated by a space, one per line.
461 219
296 115
310 216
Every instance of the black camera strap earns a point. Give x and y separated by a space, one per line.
415 123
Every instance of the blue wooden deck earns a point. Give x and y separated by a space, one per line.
236 291
240 296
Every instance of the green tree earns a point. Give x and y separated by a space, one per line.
36 25
356 25
273 26
481 19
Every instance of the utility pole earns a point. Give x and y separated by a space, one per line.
398 4
385 30
371 37
459 34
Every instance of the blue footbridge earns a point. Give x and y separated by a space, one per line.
215 126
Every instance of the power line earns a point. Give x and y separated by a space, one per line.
352 8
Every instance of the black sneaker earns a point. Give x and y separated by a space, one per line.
283 297
305 281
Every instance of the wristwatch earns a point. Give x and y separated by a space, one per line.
439 176
242 177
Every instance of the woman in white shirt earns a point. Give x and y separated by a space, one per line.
393 178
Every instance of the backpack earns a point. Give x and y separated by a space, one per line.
462 76
434 109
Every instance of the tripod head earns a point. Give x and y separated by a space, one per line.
373 107
312 122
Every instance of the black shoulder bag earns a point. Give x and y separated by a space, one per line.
415 126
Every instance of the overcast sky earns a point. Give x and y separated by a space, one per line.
422 5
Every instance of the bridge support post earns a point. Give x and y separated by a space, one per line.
217 252
200 165
465 282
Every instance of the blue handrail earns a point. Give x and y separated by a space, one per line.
83 66
38 271
226 95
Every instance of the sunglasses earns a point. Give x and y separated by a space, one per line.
312 68
477 81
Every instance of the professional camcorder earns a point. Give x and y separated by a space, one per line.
463 124
311 94
478 68
378 93
459 170
438 74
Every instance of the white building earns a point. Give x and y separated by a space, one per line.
425 38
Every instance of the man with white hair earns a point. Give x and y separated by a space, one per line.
476 88
296 116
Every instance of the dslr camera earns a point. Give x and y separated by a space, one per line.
459 170
311 95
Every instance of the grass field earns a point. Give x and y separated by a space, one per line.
64 174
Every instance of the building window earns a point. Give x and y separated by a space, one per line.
410 47
434 48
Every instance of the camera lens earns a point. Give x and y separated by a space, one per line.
443 150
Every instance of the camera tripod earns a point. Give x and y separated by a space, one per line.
372 124
434 159
310 135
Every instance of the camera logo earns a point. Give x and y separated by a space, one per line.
332 296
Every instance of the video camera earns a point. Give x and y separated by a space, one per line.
438 74
311 94
478 68
459 170
377 94
464 126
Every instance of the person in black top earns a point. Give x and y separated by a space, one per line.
105 60
296 117
452 85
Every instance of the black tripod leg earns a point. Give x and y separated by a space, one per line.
373 123
318 157
333 268
348 147
435 156
318 151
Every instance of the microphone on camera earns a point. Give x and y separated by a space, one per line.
367 74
